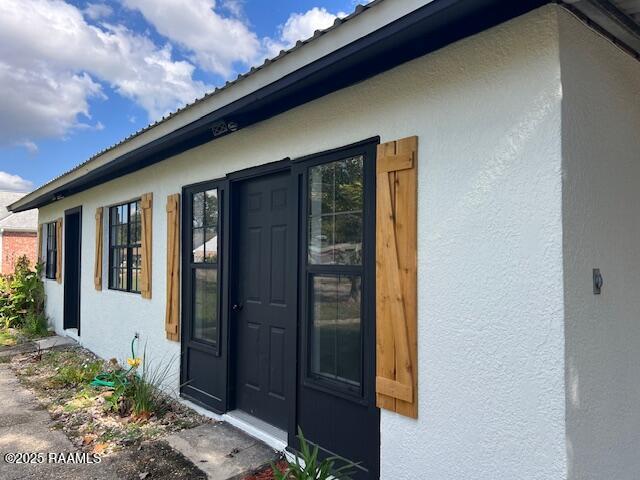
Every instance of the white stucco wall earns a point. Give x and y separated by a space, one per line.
601 169
491 335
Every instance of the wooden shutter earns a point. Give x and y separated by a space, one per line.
59 248
172 315
40 237
146 204
97 266
396 276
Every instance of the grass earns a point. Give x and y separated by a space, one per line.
72 374
61 379
7 338
33 329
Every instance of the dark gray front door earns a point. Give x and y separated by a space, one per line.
72 252
263 296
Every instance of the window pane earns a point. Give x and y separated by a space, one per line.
321 180
210 246
119 268
336 328
321 240
135 223
335 212
348 239
348 185
125 235
205 311
198 245
136 260
198 209
205 227
211 208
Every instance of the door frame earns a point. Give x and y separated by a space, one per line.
72 211
366 397
235 180
219 354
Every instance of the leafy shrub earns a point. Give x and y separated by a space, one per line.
22 299
309 467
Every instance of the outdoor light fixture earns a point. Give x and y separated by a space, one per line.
222 127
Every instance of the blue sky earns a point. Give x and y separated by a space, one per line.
77 76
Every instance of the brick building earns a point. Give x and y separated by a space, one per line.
18 233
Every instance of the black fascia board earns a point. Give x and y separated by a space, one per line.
422 31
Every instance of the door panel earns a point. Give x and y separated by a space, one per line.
204 328
72 263
263 294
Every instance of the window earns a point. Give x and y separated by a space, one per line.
204 265
51 249
335 218
125 233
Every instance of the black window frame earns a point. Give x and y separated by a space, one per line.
51 250
214 346
128 246
366 271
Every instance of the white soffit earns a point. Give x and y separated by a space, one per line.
620 18
630 7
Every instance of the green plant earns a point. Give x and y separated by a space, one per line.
22 298
145 388
72 374
308 466
117 400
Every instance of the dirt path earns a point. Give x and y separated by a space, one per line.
24 428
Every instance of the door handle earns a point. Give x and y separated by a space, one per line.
237 307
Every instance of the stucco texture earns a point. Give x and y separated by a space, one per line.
601 199
491 334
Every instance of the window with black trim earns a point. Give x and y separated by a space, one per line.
334 269
205 270
51 250
125 233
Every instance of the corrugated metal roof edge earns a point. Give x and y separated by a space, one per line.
300 43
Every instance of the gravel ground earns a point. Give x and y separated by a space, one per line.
77 421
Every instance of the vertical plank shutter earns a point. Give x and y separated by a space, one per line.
146 204
59 249
97 267
172 314
40 239
396 276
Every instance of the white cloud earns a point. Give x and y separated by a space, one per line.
96 11
215 42
300 26
234 7
52 60
31 147
14 183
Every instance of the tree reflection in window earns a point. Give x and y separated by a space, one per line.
335 212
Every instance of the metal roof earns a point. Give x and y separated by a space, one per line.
419 26
27 220
359 9
6 199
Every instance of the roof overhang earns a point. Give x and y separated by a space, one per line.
386 35
616 18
